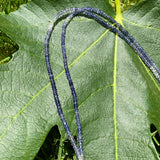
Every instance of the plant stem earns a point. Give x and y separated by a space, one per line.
118 12
60 149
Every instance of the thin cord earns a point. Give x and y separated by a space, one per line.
131 42
79 128
88 12
57 19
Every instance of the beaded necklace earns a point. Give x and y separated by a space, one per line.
107 22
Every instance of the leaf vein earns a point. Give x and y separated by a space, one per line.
82 54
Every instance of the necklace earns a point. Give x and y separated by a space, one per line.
107 22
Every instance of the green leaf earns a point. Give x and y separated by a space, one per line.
118 97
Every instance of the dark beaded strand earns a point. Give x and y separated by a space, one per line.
116 29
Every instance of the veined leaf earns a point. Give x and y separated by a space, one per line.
118 97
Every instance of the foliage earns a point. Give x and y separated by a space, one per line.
125 4
7 47
27 107
8 6
52 146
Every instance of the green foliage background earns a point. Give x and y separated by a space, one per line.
8 47
125 4
8 6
